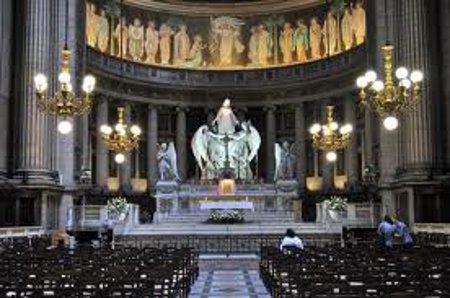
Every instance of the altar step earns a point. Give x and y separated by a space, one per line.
199 217
266 228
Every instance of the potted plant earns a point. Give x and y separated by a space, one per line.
336 205
225 216
117 208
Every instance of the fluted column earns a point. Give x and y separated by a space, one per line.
181 142
351 153
270 142
416 38
6 27
101 152
300 144
125 168
152 150
33 126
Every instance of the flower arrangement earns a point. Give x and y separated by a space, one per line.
225 216
117 207
337 203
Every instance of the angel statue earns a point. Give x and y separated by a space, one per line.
233 145
284 161
167 162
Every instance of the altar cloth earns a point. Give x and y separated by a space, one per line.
227 205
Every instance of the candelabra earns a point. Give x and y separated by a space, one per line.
388 98
331 136
120 139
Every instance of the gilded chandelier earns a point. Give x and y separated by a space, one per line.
65 103
389 99
120 139
331 136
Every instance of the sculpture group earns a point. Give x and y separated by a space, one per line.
226 44
226 144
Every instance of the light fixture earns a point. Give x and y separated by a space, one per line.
389 98
120 138
64 103
331 136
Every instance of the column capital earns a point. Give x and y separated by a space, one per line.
269 108
182 109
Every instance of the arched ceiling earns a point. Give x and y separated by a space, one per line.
223 7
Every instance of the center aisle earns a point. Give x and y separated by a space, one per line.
229 283
234 276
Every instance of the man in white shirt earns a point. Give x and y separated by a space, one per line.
291 240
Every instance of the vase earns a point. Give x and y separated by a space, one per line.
335 215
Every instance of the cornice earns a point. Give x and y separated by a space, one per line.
202 9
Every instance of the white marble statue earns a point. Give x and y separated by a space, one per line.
225 120
284 161
226 147
167 162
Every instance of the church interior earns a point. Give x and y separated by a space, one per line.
224 148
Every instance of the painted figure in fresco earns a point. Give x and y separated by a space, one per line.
182 45
121 35
346 29
253 46
329 31
359 23
91 25
165 32
301 41
103 32
225 40
196 52
136 42
315 37
151 42
286 42
265 45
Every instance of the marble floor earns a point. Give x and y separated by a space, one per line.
240 283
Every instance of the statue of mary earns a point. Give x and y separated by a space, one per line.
225 119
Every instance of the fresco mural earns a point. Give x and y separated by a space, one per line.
224 42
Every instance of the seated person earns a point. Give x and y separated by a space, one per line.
291 240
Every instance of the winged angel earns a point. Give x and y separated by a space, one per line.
284 161
167 162
213 150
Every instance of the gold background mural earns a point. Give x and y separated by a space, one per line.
224 42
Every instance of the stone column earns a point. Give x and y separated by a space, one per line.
6 13
33 126
125 168
152 150
327 167
181 142
101 152
351 153
368 137
300 144
270 143
416 50
445 50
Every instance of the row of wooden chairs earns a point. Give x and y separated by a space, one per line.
89 272
360 271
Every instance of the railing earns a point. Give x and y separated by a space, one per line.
13 232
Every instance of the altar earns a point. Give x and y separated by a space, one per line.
227 205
